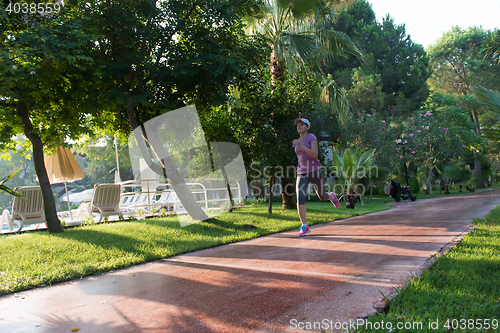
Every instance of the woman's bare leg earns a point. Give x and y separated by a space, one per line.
302 213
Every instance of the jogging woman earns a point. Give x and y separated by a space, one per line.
308 171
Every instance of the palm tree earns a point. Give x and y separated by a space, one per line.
297 35
351 167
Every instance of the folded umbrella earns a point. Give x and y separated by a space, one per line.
63 167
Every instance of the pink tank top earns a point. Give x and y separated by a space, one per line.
306 162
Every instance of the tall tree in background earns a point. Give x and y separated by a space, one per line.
298 38
403 66
43 87
458 66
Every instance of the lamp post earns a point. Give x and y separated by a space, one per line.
402 142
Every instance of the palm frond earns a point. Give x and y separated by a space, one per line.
349 164
491 134
491 46
4 188
366 159
351 167
334 97
336 45
337 160
304 46
490 99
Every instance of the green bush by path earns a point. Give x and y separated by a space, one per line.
460 293
34 259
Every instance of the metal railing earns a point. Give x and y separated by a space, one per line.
159 192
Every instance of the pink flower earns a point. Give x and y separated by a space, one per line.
446 129
369 115
419 131
359 114
413 152
383 121
411 135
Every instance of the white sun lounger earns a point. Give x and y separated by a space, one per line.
25 212
105 201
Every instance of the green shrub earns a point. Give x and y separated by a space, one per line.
415 186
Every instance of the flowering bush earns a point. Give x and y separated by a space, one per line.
440 133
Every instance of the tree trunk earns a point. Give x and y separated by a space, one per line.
228 186
277 70
477 170
271 188
429 181
478 174
53 223
287 193
477 164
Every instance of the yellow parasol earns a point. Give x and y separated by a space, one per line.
63 167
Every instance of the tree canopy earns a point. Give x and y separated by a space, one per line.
46 76
458 64
403 66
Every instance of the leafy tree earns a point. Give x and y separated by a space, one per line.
154 57
458 67
403 66
438 134
43 87
99 158
366 91
264 124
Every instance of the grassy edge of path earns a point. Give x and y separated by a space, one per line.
460 292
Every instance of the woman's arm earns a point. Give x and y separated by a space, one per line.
313 152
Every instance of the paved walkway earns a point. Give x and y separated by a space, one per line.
276 283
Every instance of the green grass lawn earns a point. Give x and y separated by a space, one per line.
37 258
460 293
